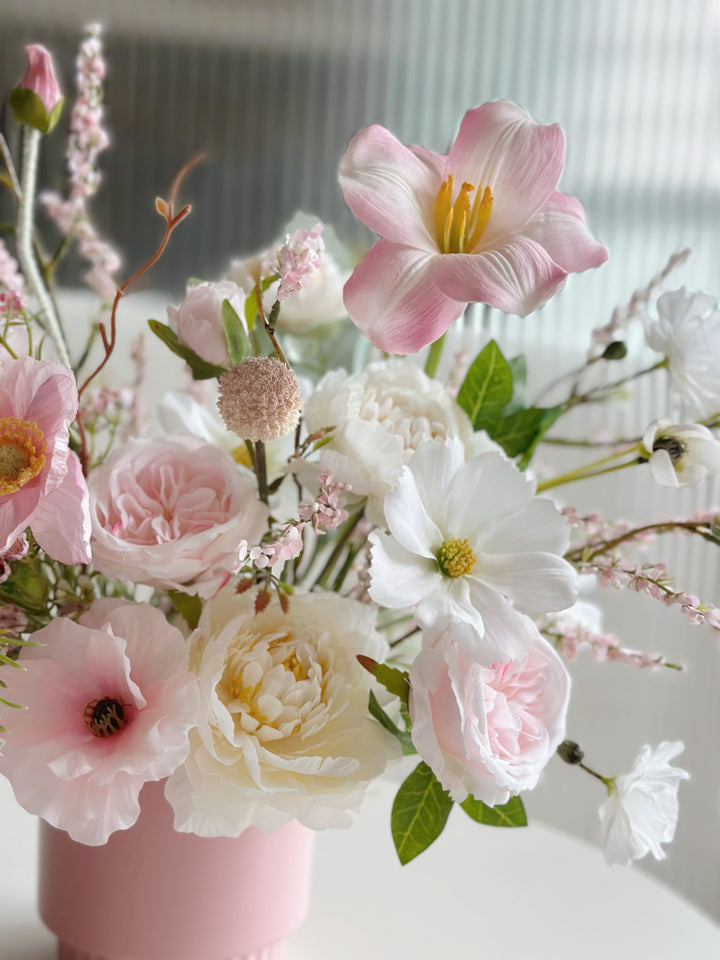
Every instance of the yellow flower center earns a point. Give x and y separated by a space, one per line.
22 453
459 226
456 558
240 455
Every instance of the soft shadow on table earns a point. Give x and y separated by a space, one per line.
23 941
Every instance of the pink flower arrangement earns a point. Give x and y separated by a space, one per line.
484 223
487 731
106 711
171 513
41 483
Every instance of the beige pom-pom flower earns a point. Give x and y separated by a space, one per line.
260 399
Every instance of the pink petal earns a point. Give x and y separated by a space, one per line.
15 512
61 521
560 228
391 188
517 277
393 299
499 146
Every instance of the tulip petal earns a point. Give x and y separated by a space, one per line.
390 187
499 146
561 229
516 277
393 299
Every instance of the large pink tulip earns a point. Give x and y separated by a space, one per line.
484 223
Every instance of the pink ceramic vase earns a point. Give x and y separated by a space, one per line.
153 894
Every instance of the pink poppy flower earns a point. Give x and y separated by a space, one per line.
41 482
484 223
106 711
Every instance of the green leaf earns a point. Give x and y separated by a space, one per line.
510 814
29 108
201 369
518 434
237 340
189 606
518 369
384 720
419 813
488 386
395 681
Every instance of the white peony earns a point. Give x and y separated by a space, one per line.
682 454
285 732
641 810
380 417
467 542
687 332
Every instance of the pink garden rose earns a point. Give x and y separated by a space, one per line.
487 731
171 513
41 482
484 223
198 319
110 704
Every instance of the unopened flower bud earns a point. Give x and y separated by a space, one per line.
260 399
570 752
37 100
617 350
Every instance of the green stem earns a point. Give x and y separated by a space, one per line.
340 545
590 470
26 255
433 359
261 470
601 392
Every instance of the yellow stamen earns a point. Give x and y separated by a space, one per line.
456 557
459 227
22 453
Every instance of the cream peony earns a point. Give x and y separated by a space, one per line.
487 731
171 513
380 417
641 810
285 733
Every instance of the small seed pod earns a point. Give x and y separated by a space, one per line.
104 717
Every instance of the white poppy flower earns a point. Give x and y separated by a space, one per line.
682 454
687 332
466 539
641 810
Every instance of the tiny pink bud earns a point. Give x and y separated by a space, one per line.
40 76
37 100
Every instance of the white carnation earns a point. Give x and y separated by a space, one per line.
687 332
641 810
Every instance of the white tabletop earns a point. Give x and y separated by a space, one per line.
491 893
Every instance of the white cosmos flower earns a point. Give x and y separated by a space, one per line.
380 417
681 454
687 332
466 539
641 810
284 732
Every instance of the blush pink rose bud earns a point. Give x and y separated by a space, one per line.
37 100
198 320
